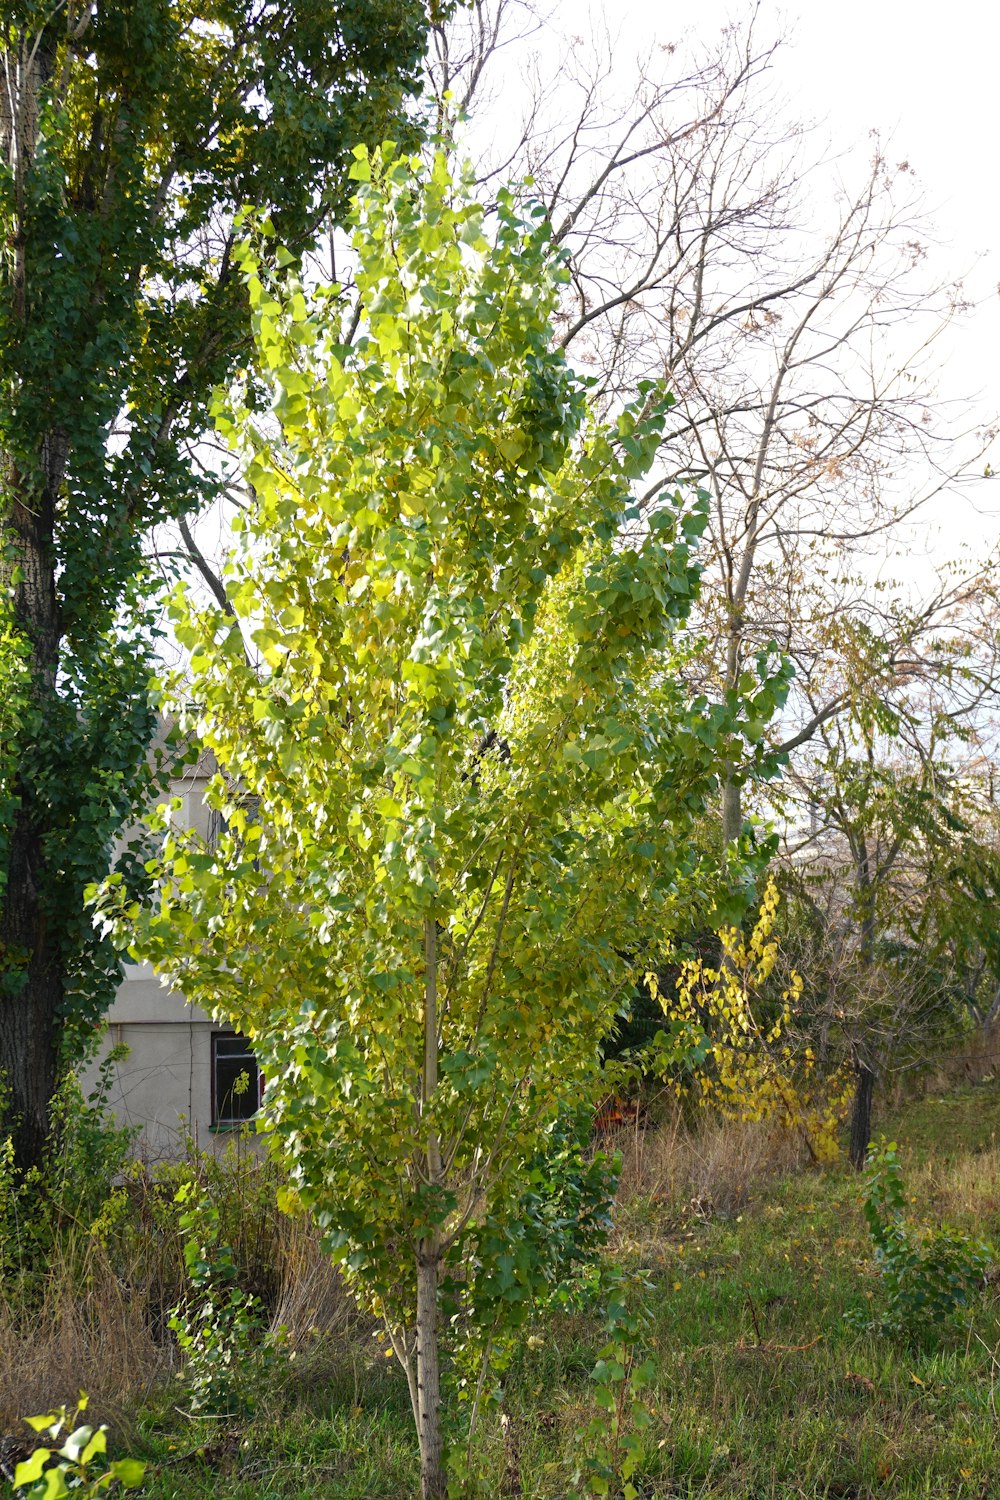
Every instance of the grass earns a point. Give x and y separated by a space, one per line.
761 1389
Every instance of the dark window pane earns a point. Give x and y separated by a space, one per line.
236 1078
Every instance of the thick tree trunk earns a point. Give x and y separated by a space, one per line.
30 996
31 977
861 1115
433 1484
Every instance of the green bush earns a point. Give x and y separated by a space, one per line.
221 1329
79 1194
929 1276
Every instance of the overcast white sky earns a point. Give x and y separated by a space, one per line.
924 78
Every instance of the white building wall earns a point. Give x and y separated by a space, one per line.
164 1083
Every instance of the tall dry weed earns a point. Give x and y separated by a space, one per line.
963 1187
713 1166
93 1313
976 1060
89 1331
312 1302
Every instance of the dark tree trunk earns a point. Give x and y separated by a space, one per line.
30 997
31 969
861 1115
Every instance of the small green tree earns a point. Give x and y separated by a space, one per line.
474 776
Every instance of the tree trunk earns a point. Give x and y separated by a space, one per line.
30 995
433 1485
432 1476
31 968
732 812
861 1115
31 978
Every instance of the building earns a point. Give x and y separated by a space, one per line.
183 1073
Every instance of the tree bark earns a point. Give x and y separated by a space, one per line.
861 1115
30 997
433 1485
732 812
31 970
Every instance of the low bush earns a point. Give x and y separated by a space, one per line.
220 1327
928 1276
79 1466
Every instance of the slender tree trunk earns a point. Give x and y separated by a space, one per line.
433 1485
732 812
861 1114
861 1109
732 800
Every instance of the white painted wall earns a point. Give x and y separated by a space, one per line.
164 1084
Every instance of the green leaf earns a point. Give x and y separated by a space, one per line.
129 1472
54 1484
28 1471
98 1444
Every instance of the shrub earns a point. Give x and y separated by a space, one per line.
736 1058
928 1275
221 1329
77 1196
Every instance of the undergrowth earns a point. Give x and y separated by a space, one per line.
745 1379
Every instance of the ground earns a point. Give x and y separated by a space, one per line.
762 1389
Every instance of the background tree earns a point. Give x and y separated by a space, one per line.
784 293
889 843
130 130
476 774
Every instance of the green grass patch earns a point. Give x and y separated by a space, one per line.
762 1388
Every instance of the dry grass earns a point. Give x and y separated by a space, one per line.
89 1307
313 1302
711 1168
959 1188
90 1332
978 1060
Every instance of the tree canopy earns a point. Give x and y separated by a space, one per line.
130 133
462 787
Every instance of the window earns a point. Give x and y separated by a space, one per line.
218 823
237 1082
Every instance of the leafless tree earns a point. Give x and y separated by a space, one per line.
891 849
781 290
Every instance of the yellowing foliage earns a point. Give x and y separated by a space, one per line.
749 1069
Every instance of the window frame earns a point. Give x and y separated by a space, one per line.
231 1122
